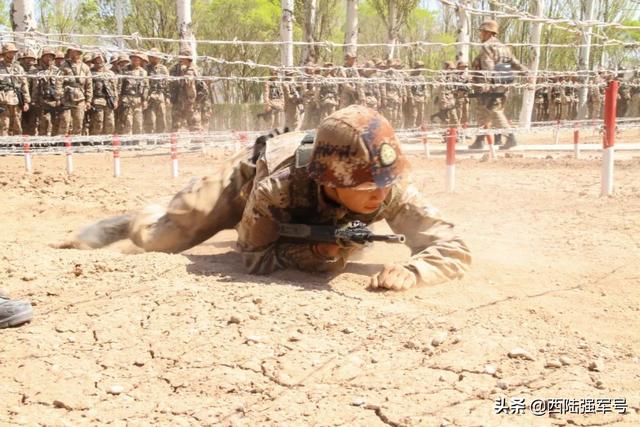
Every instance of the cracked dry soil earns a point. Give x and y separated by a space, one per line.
135 339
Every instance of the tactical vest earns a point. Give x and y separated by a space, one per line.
274 91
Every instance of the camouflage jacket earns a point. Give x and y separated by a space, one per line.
284 193
183 91
105 84
134 84
493 52
77 82
158 87
47 87
8 95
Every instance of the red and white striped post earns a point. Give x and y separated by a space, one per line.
27 154
576 142
451 160
492 147
558 132
116 156
425 142
174 155
68 154
608 138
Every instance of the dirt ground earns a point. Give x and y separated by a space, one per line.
190 339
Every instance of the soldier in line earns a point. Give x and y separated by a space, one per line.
446 101
156 114
273 100
541 104
185 112
28 62
14 92
105 98
571 96
370 88
292 101
118 65
78 93
134 94
416 95
329 91
353 170
59 59
311 96
494 57
461 93
348 90
47 94
624 94
635 95
558 99
392 93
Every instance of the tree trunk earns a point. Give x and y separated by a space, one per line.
528 97
286 32
392 27
311 9
351 31
583 62
185 27
462 49
119 12
23 20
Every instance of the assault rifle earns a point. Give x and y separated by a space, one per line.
351 234
110 97
56 110
16 89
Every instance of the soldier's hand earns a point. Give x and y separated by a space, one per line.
25 107
87 106
395 277
326 250
145 105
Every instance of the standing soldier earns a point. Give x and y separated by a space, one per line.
28 61
78 93
59 59
417 95
47 93
624 94
273 100
156 114
446 100
134 95
494 58
14 93
185 113
328 91
292 99
541 103
635 95
370 89
462 93
391 94
558 99
118 66
311 96
348 90
105 98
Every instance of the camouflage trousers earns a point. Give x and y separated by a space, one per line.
557 111
311 117
347 99
11 120
186 116
102 120
30 121
155 117
491 111
462 110
47 121
71 120
291 117
327 109
416 113
391 110
131 117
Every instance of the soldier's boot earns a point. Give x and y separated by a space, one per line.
478 143
14 312
511 142
100 234
497 139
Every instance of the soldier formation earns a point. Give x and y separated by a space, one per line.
78 93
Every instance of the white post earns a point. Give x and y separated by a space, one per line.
311 7
286 32
23 19
351 31
607 171
583 61
529 95
68 154
27 157
174 155
116 156
185 27
119 12
462 53
393 14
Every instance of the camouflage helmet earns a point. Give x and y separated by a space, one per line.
418 64
142 56
47 51
87 57
29 53
154 52
122 58
449 65
186 51
8 47
59 54
99 55
462 64
356 147
75 48
489 25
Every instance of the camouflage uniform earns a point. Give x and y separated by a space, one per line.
47 94
273 101
78 93
311 96
541 104
369 88
461 93
105 101
446 100
30 117
392 93
348 90
624 96
328 93
10 118
635 96
134 95
292 99
491 103
353 146
416 96
558 100
156 114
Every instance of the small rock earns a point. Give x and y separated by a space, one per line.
412 345
115 390
253 339
62 405
596 366
520 353
438 339
138 363
374 360
295 338
502 385
77 270
566 360
234 320
600 385
490 369
29 277
553 364
257 300
347 330
358 402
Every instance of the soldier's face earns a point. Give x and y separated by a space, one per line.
153 60
46 60
8 56
485 35
98 62
74 55
361 201
135 61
